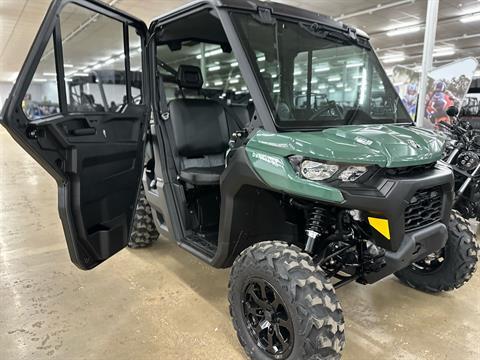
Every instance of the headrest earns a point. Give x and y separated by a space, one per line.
189 77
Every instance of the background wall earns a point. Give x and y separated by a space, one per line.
5 88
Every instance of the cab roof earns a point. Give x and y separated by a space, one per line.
254 5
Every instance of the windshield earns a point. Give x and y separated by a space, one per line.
315 76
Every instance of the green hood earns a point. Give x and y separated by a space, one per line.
382 145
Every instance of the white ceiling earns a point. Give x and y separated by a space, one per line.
20 19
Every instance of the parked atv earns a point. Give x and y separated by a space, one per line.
298 200
463 154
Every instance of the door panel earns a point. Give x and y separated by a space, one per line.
72 109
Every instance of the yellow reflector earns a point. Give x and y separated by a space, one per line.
381 225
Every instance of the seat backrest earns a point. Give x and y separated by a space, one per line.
199 127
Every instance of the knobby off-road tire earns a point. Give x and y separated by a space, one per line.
460 257
144 232
308 301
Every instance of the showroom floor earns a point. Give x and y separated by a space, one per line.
162 303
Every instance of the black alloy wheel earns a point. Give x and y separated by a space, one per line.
267 318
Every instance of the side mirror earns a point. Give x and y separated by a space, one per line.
452 111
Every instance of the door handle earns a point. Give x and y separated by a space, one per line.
83 132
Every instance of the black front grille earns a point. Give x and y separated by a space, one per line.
425 208
409 170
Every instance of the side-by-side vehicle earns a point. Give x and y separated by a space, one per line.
256 135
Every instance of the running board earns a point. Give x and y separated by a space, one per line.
199 246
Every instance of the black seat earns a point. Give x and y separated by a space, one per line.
200 132
202 176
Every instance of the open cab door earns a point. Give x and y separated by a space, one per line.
80 107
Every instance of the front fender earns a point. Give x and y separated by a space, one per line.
277 172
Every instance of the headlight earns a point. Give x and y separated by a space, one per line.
352 173
313 170
318 171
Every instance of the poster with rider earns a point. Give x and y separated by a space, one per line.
447 87
406 82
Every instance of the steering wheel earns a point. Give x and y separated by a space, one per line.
330 108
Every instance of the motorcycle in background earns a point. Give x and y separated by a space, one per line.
463 155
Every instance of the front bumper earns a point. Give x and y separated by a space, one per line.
414 247
388 196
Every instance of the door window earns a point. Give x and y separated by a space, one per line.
41 99
135 50
94 61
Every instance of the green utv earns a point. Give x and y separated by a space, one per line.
267 138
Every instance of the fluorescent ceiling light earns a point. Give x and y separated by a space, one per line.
218 83
210 53
470 18
40 80
393 58
334 78
109 61
80 74
443 52
49 74
339 85
331 91
322 86
402 31
68 66
297 73
234 64
234 81
322 68
214 68
261 58
354 64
